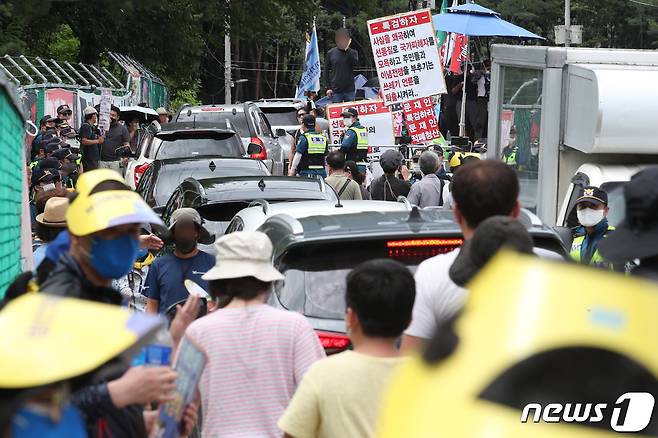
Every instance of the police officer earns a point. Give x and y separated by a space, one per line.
592 210
354 142
510 152
311 150
68 166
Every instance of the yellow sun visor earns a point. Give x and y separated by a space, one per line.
88 214
90 179
47 339
520 307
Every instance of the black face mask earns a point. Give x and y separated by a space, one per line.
185 246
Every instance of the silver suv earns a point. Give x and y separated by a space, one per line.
249 122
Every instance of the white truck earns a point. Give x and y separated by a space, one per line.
582 117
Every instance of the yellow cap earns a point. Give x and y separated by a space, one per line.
519 307
47 339
458 157
89 214
90 179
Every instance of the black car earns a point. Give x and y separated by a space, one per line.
218 199
163 176
316 253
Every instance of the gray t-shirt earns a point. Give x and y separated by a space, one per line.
115 137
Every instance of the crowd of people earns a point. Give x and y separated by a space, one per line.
266 372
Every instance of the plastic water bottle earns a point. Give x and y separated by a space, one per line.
158 352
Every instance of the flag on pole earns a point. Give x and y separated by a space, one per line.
310 80
459 53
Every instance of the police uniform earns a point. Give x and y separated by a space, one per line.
584 247
510 159
354 142
313 147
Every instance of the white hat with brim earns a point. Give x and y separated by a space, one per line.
244 254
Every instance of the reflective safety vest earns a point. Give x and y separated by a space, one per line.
510 159
597 259
317 149
361 137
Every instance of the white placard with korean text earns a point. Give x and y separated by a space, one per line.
373 115
406 56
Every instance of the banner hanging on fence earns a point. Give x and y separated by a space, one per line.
373 115
406 56
420 116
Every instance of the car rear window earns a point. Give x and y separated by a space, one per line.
171 176
238 121
315 273
280 116
218 144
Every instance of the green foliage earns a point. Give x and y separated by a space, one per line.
185 94
64 45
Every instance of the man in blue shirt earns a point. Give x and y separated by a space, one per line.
165 281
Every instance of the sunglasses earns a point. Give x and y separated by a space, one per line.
300 115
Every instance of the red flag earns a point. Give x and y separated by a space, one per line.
459 53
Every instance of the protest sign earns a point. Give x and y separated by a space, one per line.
373 115
406 56
104 113
420 116
190 362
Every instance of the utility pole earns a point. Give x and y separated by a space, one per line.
276 70
227 54
567 23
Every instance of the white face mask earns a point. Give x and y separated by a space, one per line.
588 217
534 150
347 121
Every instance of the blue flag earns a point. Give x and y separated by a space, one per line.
310 80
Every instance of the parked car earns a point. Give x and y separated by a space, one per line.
249 219
218 199
250 123
182 140
315 254
163 176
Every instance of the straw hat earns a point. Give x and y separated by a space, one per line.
54 215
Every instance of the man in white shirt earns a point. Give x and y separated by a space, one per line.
480 189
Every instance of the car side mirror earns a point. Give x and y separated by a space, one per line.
566 236
254 149
159 209
280 132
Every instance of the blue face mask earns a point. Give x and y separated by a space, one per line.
141 253
113 258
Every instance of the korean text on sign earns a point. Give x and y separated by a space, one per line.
373 115
420 116
406 56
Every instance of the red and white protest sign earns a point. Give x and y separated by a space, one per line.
373 115
406 56
420 116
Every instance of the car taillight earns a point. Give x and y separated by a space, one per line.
333 342
139 171
263 152
417 250
409 243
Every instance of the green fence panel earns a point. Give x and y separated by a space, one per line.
11 168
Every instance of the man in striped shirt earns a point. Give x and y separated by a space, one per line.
256 354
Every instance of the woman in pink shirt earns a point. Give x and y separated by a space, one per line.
257 355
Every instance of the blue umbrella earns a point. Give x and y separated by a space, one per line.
472 19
